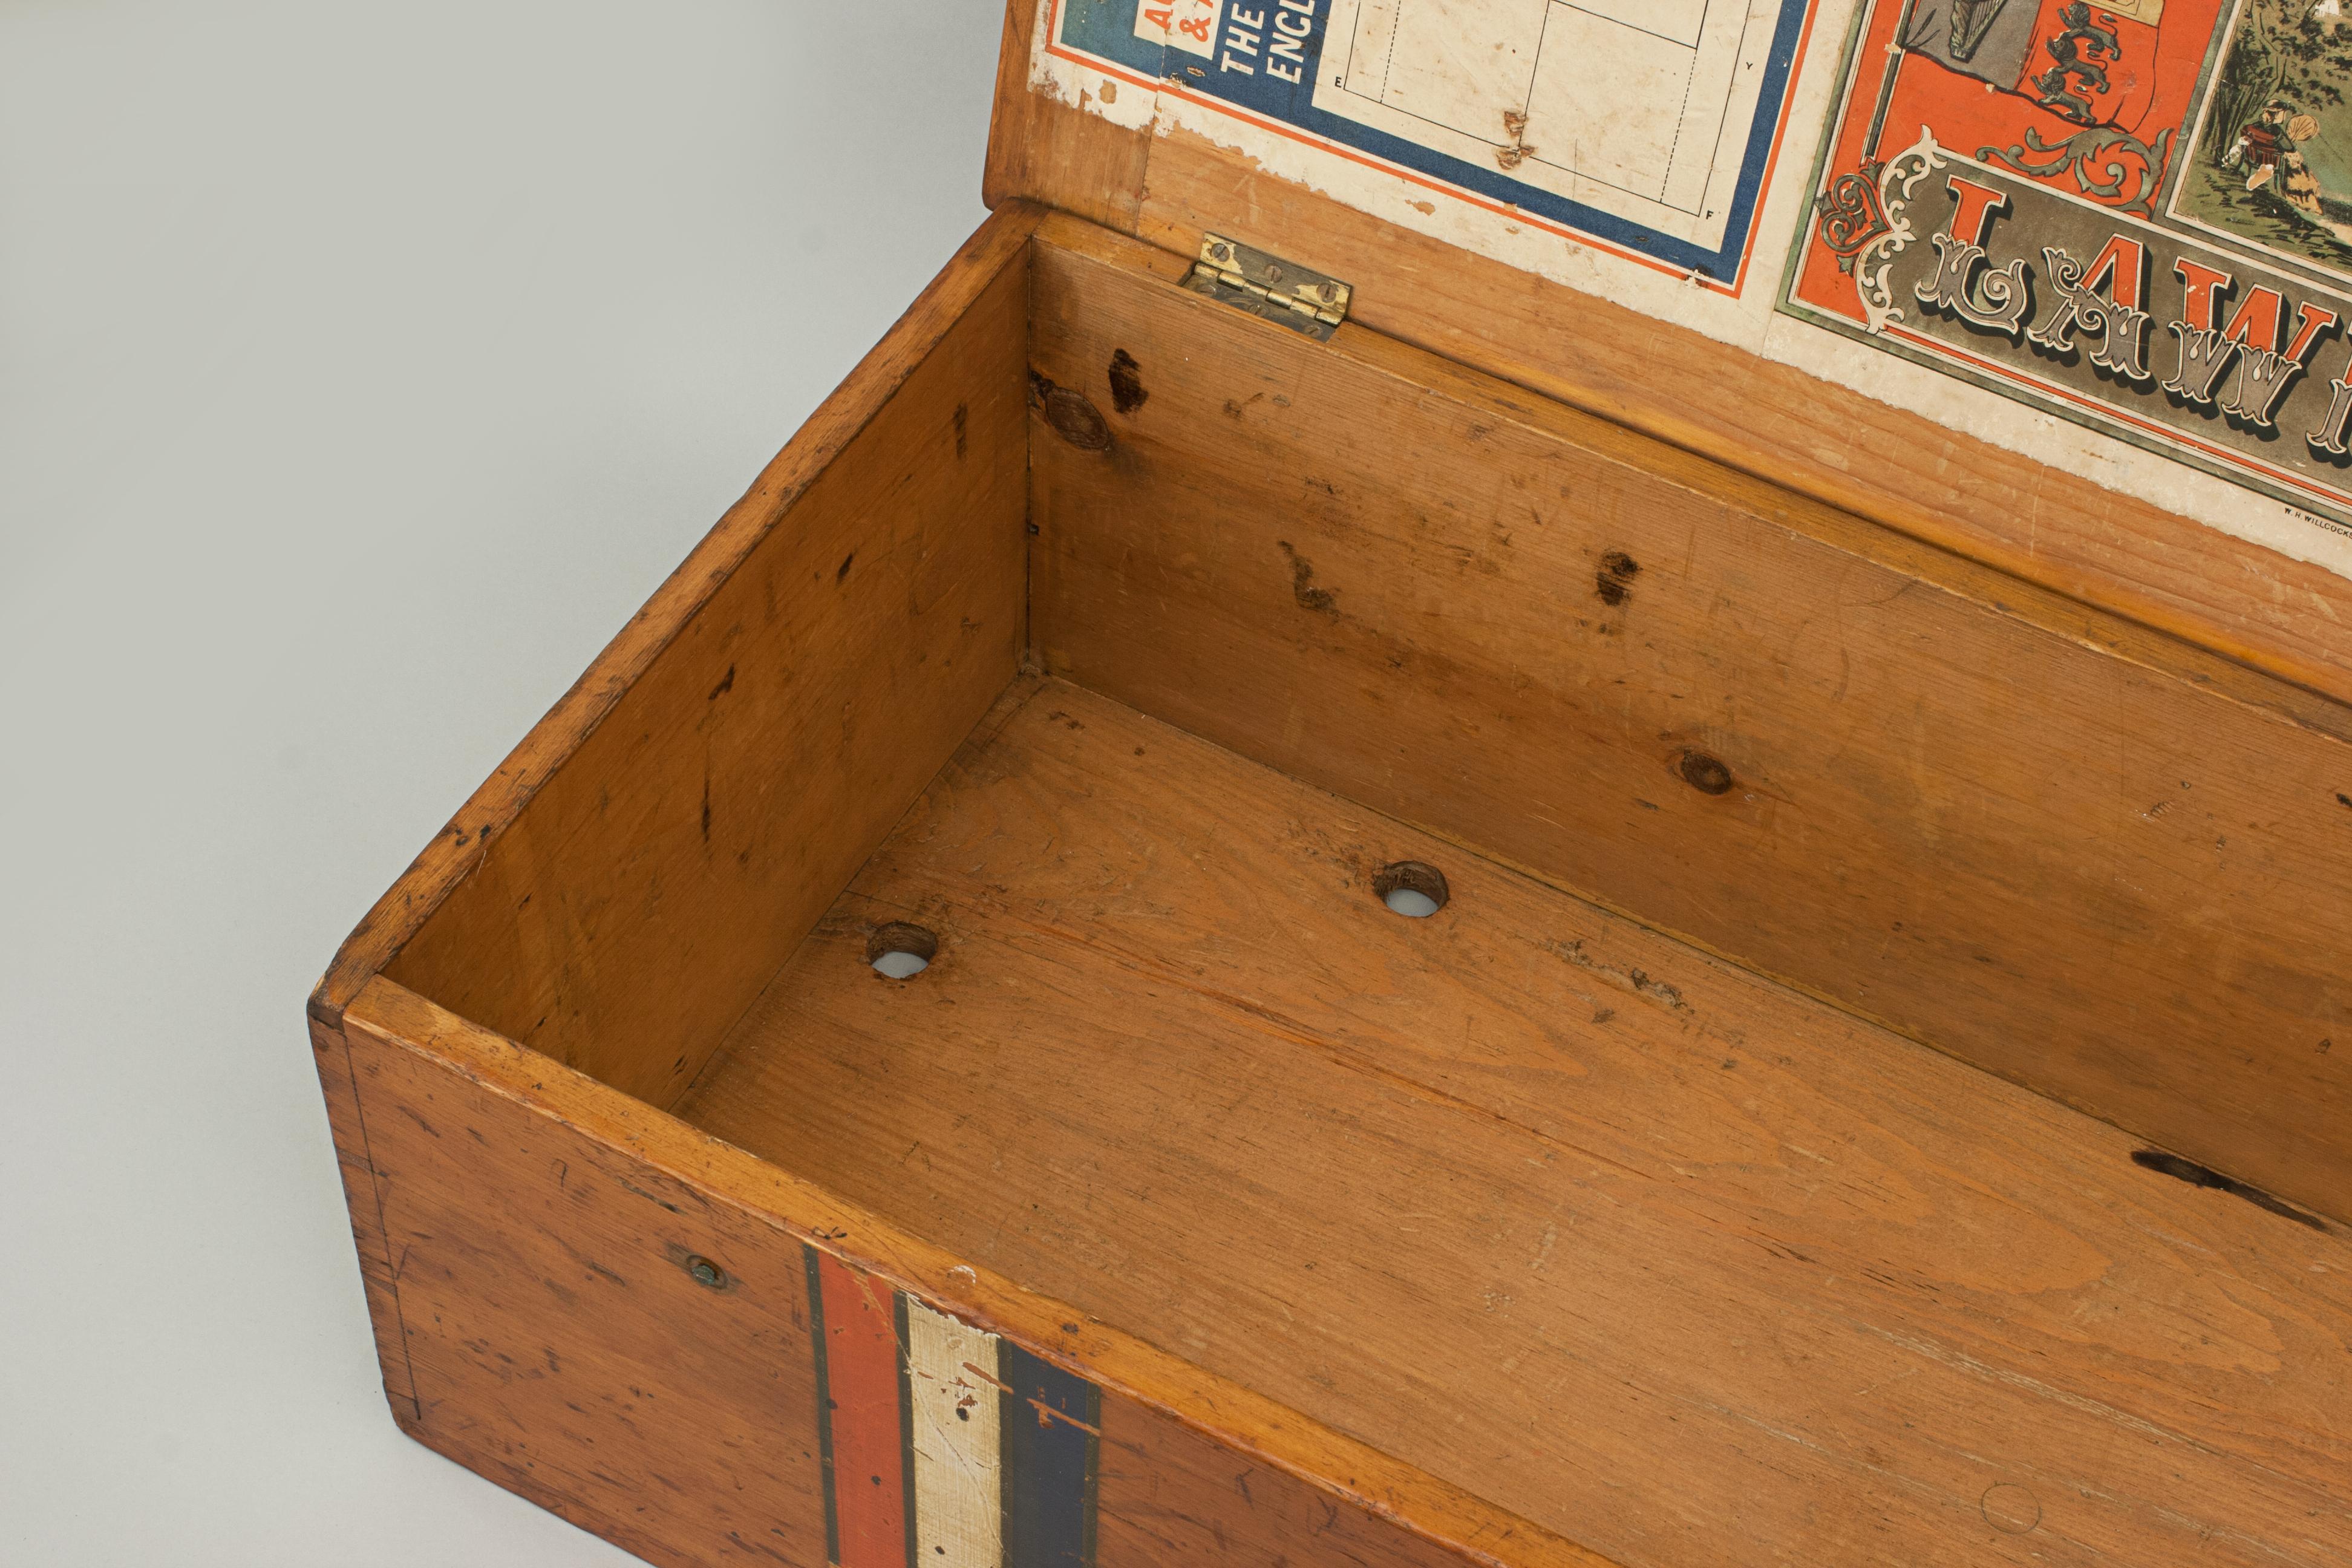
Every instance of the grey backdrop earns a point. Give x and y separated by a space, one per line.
362 366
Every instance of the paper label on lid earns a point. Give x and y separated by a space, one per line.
1642 126
1725 167
2135 217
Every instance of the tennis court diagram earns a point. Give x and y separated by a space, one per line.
1643 109
1643 127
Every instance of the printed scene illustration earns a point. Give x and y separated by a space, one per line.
1646 127
2137 216
2272 160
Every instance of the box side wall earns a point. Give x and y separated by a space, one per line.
632 909
2045 842
544 1298
1169 185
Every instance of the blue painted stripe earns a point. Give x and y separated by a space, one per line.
1051 1422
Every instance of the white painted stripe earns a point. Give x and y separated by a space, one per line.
959 1495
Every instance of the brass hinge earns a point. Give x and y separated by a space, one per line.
1298 297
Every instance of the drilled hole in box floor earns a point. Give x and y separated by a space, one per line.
1412 888
900 950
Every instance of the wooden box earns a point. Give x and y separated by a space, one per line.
1877 1088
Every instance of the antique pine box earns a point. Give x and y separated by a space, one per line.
1560 930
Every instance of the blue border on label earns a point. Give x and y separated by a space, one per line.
1105 29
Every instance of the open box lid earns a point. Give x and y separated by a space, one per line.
1735 229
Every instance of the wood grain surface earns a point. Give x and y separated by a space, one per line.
2040 521
2108 865
1522 1234
543 1227
1629 1242
1034 142
977 269
1171 1495
559 1344
625 916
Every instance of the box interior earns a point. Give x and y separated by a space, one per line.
1135 650
1616 1236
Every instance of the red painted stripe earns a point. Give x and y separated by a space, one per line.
861 1364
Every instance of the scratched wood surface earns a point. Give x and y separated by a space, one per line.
540 1306
1836 445
557 1343
624 916
1171 1495
1035 143
999 242
1660 1256
2092 857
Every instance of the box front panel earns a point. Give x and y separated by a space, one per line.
678 1374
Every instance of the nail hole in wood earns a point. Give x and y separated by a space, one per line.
1412 888
1617 569
704 1272
1127 389
1704 773
900 951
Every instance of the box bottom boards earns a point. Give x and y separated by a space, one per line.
1555 1208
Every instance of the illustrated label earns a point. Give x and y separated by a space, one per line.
1645 127
2137 217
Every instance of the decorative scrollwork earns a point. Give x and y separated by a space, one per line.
2109 165
1871 258
1853 214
